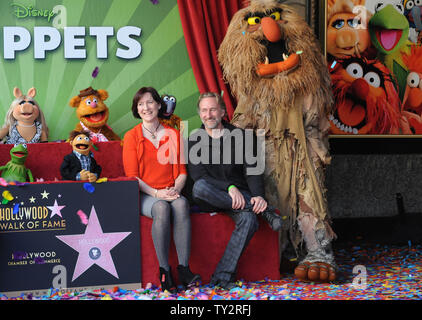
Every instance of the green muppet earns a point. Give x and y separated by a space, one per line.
389 31
15 169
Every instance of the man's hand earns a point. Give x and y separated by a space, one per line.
259 204
238 201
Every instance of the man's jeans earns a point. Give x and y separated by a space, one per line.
210 198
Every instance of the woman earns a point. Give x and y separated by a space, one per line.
151 154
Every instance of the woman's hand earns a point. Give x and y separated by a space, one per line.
173 191
166 194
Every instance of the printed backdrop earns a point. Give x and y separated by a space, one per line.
163 61
374 55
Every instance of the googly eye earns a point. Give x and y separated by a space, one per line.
418 2
399 8
172 99
94 100
88 102
413 80
79 138
254 20
373 79
15 145
355 70
409 5
276 15
86 139
166 98
24 145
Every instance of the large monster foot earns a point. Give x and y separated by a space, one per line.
316 271
301 271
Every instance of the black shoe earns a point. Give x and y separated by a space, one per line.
167 282
186 277
273 219
223 284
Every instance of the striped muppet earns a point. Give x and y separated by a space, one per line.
273 63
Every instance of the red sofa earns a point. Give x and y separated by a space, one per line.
210 233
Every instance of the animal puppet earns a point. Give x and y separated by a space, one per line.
15 169
275 68
73 165
347 31
24 121
168 117
93 114
367 101
412 102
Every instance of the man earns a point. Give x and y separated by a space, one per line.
224 180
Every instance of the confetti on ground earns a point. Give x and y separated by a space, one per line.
393 272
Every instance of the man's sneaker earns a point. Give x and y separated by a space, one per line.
273 219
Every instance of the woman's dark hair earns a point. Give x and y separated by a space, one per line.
154 95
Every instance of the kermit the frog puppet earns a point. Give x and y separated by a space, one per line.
15 169
389 31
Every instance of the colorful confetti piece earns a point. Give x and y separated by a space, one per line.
95 72
101 180
82 216
7 195
89 187
3 182
388 278
16 208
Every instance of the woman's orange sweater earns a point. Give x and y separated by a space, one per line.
158 168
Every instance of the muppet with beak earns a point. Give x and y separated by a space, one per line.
80 164
273 63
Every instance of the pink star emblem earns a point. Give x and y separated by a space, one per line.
56 209
94 246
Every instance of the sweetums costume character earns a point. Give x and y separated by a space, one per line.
273 63
93 114
367 100
80 164
24 121
15 169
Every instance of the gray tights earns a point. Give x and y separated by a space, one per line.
163 213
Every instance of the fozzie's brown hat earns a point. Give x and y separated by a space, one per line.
87 92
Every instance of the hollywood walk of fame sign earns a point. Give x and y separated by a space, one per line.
45 243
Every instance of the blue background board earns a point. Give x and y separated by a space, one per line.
116 205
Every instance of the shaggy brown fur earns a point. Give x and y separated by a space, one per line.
239 54
292 106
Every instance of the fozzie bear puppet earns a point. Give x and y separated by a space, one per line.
93 114
273 63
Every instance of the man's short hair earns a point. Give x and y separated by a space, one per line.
218 97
